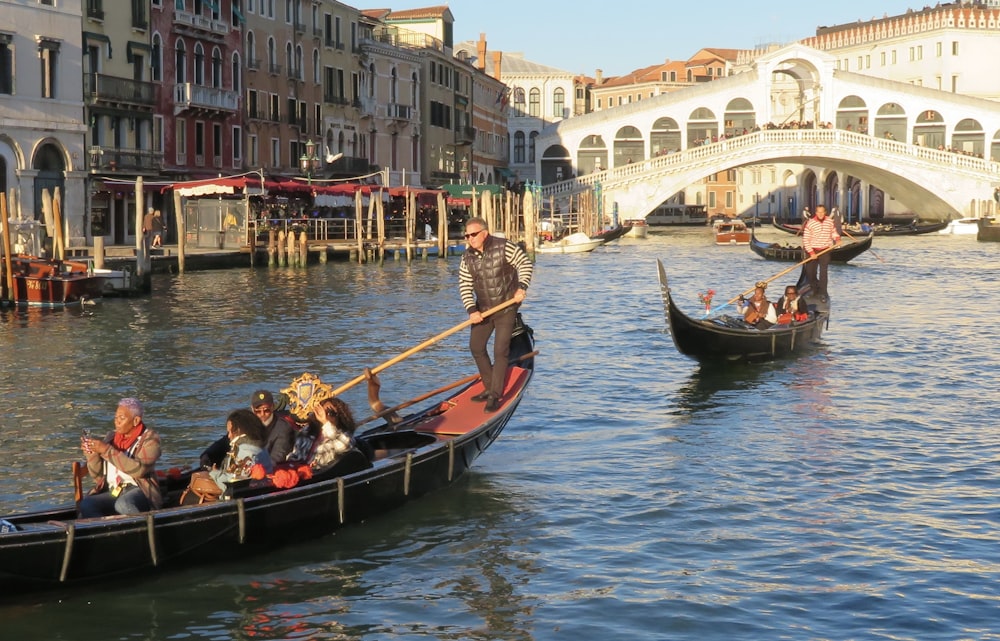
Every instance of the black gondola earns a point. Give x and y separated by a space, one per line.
879 229
612 233
729 339
427 450
794 253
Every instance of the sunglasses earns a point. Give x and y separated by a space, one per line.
475 233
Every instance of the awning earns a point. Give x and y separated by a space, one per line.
466 190
218 186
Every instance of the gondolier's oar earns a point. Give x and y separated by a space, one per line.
413 350
441 390
778 275
846 233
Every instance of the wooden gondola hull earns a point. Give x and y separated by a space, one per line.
428 451
878 229
616 232
795 254
710 340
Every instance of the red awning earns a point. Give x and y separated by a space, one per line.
214 186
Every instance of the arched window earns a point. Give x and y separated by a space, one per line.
199 64
371 80
316 67
180 61
289 61
558 103
535 102
252 60
531 146
413 90
272 56
237 73
393 86
216 68
519 147
156 59
300 71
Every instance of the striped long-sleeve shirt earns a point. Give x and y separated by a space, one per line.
513 255
818 234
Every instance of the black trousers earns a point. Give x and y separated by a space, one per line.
500 326
816 272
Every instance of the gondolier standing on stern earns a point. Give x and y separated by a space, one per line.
819 233
493 271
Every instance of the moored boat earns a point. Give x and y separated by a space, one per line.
577 243
730 339
794 253
48 282
421 452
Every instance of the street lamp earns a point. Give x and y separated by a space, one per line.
309 162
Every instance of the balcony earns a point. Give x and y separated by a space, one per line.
191 96
465 135
107 159
335 100
200 22
368 107
300 27
113 90
397 111
349 165
274 68
253 64
95 9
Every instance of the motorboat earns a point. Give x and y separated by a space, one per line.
962 227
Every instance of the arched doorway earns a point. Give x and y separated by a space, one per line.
557 164
593 155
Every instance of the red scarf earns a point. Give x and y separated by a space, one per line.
125 441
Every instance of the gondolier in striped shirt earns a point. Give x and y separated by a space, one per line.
493 271
819 233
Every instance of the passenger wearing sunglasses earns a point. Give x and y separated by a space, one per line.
493 271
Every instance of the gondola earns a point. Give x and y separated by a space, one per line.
912 229
729 339
794 253
612 233
414 454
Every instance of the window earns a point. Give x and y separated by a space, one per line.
315 67
6 64
938 49
253 151
275 152
531 146
519 147
217 68
156 59
237 73
217 144
558 102
139 18
48 54
199 64
181 139
535 102
199 143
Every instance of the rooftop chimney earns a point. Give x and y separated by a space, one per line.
497 58
481 50
598 77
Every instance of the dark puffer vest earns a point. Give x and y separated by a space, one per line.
493 279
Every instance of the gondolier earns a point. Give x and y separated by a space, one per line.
819 233
493 271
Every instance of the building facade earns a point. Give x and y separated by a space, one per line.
42 131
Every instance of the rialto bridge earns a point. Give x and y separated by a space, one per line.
848 136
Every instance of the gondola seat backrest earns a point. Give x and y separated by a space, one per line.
351 461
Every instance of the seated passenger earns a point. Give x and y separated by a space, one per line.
757 311
246 437
336 434
791 306
279 429
123 466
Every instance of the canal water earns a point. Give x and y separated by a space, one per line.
849 493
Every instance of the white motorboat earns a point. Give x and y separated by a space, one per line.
962 227
577 243
639 228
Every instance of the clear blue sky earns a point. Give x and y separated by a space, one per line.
618 36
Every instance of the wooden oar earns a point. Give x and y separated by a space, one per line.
780 274
413 350
450 386
79 471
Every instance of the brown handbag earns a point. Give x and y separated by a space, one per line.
201 489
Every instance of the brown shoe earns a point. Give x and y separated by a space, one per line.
492 405
482 396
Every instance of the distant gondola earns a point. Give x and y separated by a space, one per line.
612 233
912 229
729 339
794 253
